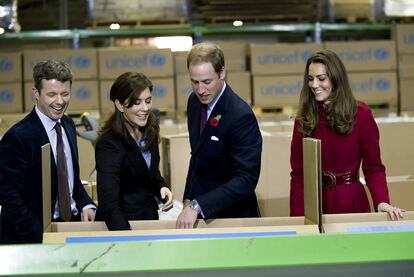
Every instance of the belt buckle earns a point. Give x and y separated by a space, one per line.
331 177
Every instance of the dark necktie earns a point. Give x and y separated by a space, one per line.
203 117
62 171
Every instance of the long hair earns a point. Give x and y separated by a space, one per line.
341 106
127 88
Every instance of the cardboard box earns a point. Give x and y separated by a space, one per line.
180 62
86 152
351 10
91 231
365 223
401 190
8 120
83 62
376 55
375 88
241 84
276 90
11 97
84 96
183 91
176 159
11 66
407 94
234 55
273 188
150 61
406 66
403 34
397 155
339 223
281 58
67 231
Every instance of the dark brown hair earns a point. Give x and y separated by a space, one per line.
342 106
51 69
127 88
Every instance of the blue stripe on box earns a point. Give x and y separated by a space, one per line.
177 236
386 228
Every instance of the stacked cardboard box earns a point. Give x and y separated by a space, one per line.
83 63
236 75
404 36
11 82
156 64
371 67
278 72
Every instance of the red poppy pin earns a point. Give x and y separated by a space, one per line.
214 121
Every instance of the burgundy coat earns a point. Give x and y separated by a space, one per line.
341 154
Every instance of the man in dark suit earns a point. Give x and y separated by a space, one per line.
225 141
21 219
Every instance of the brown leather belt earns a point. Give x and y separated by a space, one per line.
330 180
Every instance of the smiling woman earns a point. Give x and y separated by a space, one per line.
349 136
127 157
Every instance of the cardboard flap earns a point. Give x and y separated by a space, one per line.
312 176
46 187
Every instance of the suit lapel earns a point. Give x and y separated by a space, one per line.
219 110
134 153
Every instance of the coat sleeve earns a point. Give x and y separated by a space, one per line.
296 175
109 155
159 181
14 163
374 170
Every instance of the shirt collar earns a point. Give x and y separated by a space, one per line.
48 123
213 103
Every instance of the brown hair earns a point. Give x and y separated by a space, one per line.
127 88
51 69
342 106
206 52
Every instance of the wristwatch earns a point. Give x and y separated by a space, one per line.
194 205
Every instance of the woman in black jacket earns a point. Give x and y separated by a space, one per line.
127 157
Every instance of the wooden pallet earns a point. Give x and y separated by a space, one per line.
275 113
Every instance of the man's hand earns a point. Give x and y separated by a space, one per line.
186 219
88 215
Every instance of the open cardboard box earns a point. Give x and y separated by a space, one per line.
348 223
60 232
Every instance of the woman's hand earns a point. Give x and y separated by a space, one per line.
166 195
394 212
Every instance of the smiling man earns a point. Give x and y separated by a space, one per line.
21 219
226 144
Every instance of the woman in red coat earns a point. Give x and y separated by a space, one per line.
349 136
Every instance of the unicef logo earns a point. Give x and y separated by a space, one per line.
157 60
381 54
382 84
83 93
82 62
306 55
159 92
5 65
6 96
